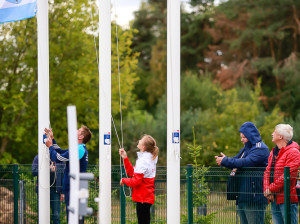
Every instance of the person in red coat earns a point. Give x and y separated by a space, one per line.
142 177
284 154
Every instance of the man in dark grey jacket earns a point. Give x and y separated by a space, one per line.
56 175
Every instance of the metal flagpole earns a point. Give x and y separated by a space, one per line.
173 112
43 109
105 111
74 165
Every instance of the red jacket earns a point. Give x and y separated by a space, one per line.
287 156
142 177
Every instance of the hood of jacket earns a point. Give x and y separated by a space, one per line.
147 156
250 132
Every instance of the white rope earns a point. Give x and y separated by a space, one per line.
50 184
119 75
94 36
120 96
98 71
45 148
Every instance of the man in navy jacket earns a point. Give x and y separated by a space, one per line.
56 171
59 155
248 183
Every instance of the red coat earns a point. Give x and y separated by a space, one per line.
142 177
287 156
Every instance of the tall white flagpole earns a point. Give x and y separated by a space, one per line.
173 111
74 165
43 109
105 111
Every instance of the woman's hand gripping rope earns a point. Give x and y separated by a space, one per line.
123 153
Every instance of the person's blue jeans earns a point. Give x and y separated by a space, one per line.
251 213
278 213
55 205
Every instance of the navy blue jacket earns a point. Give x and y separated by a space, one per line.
255 154
59 155
54 183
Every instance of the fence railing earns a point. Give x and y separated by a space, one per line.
203 198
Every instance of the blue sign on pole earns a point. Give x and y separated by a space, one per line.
175 137
44 138
107 138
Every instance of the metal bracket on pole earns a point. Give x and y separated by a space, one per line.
84 194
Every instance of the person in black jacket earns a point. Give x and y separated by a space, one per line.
56 175
246 178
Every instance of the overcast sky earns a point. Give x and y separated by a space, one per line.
125 8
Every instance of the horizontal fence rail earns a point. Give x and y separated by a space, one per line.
205 195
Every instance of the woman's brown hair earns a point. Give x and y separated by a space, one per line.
150 145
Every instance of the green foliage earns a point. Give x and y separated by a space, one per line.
6 158
200 186
290 93
75 73
268 218
136 124
195 150
265 35
74 77
150 42
18 86
197 92
194 37
218 125
295 123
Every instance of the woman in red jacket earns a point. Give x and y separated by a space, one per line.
285 153
142 177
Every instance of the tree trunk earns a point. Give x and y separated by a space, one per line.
274 58
295 32
4 143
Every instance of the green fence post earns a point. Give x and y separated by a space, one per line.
123 199
16 192
190 193
287 195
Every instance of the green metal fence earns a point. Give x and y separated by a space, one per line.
19 204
